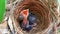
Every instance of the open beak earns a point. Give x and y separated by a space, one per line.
25 13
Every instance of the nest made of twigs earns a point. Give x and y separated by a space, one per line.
38 8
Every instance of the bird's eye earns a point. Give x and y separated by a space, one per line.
21 17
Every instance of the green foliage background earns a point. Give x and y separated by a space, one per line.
2 9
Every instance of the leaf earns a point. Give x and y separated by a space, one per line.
2 9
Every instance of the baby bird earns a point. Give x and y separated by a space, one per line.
32 19
28 20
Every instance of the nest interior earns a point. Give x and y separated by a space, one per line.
38 8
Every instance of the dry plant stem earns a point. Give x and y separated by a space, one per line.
55 28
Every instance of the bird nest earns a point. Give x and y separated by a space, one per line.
39 9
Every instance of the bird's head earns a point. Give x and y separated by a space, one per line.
25 14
